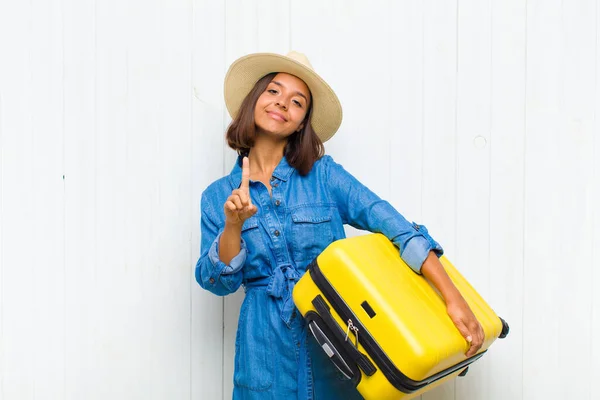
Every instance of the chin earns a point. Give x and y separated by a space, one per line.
273 129
276 135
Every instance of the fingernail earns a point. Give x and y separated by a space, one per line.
469 339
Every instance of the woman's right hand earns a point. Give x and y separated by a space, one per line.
238 207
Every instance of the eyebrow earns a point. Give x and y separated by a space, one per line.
297 92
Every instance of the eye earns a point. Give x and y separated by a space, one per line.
272 91
297 103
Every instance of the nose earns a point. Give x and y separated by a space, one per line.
282 105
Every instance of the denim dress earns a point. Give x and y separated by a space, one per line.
275 357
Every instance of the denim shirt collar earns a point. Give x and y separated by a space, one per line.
282 171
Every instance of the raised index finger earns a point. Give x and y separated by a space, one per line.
245 186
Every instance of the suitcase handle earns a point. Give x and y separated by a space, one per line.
330 349
359 358
505 329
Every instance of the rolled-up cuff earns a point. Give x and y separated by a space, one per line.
417 249
236 262
222 271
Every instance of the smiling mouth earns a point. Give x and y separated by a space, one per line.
277 116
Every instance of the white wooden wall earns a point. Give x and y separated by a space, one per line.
477 118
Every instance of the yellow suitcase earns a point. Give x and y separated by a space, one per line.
384 326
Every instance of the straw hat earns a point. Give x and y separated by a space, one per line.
246 71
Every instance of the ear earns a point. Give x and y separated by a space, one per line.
300 128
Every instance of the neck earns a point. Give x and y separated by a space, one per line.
264 157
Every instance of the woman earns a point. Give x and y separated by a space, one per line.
281 205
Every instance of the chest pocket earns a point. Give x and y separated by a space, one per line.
252 237
311 232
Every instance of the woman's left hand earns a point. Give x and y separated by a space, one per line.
456 306
466 322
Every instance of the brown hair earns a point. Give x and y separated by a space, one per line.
303 147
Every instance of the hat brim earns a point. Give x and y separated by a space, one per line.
246 71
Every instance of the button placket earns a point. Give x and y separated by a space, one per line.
271 210
273 224
274 194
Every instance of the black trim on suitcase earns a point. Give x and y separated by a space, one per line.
505 329
359 358
388 368
312 316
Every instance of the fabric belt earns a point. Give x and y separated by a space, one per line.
280 286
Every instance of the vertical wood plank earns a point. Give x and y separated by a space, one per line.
595 273
439 116
47 213
363 143
505 368
559 114
406 100
208 70
141 268
439 136
241 29
575 191
541 284
273 26
112 239
169 290
17 201
82 294
473 137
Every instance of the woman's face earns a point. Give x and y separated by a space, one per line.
281 108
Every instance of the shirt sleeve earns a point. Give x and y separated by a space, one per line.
211 273
363 209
